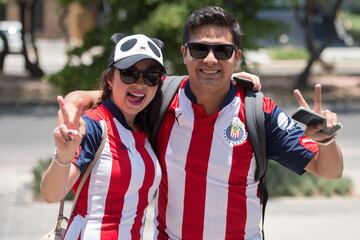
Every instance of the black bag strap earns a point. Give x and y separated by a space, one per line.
169 88
264 198
255 122
254 114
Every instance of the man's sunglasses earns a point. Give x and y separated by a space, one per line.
201 50
151 76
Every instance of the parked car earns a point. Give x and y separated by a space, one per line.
12 31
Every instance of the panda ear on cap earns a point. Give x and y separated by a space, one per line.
116 37
158 42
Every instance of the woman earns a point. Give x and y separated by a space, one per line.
112 203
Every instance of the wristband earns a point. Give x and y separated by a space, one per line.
55 159
327 141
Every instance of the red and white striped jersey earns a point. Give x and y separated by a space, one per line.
113 201
208 188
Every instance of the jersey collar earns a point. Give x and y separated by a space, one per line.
116 112
228 98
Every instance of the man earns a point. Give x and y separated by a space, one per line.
208 189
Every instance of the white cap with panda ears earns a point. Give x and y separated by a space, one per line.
133 48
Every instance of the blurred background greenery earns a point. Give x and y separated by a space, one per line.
164 19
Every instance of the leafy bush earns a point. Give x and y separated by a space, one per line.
283 182
351 22
38 171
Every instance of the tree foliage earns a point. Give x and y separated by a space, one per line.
163 19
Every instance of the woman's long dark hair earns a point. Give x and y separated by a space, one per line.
142 118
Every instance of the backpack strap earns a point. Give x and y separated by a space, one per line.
255 122
169 88
256 128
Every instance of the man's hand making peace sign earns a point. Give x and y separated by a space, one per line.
328 162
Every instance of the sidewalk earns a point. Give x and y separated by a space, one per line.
26 137
286 218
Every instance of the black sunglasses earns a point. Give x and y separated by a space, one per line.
151 76
201 50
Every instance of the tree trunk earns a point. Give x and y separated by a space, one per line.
32 30
33 68
5 50
315 50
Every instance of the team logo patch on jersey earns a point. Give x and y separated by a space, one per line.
235 133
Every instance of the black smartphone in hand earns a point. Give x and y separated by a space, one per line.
309 117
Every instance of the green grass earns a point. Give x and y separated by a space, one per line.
288 52
283 182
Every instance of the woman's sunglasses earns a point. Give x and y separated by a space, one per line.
201 50
151 76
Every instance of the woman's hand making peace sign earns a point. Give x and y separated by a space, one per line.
68 135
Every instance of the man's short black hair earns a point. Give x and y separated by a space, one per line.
212 15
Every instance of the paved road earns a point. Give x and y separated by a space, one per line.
26 137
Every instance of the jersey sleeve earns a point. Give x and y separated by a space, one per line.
285 140
89 144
